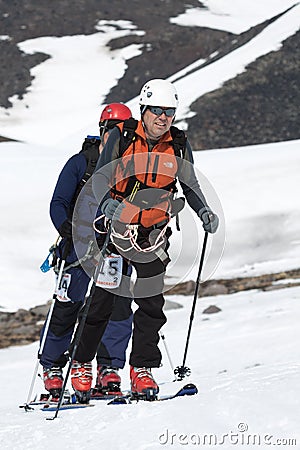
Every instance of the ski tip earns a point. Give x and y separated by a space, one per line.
188 389
190 386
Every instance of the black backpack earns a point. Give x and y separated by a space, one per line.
90 150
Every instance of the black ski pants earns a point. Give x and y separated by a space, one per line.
99 313
149 317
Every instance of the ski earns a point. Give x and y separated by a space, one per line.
188 389
65 406
115 398
46 400
41 402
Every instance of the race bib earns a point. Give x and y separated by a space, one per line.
110 274
62 289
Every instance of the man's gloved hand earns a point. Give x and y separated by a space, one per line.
210 220
112 209
65 230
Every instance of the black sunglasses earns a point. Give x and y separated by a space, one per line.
169 112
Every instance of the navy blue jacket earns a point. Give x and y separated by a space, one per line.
62 203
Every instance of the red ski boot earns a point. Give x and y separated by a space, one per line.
81 379
143 384
53 380
108 380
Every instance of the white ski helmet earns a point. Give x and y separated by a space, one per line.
158 92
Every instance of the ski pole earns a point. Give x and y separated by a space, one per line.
166 348
46 327
182 371
81 324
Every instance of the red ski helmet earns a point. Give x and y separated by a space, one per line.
115 111
111 115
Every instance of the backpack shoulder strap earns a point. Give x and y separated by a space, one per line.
179 144
127 134
178 141
90 150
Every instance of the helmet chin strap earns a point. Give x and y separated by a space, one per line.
143 109
104 130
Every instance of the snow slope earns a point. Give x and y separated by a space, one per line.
68 88
235 16
245 359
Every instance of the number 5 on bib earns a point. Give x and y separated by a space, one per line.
110 274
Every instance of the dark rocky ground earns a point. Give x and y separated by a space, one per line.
260 105
23 327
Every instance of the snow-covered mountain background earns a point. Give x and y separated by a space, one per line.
245 359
